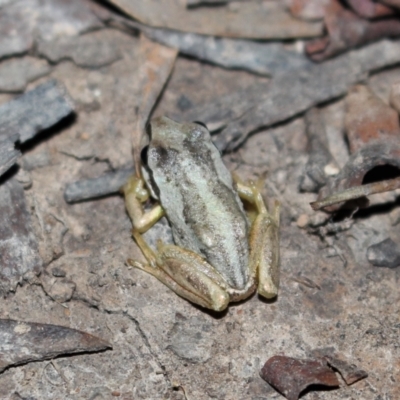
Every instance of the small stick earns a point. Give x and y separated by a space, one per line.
357 192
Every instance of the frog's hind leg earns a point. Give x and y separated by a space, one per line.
264 240
184 272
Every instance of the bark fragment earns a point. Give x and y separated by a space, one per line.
384 254
19 256
56 18
8 155
97 187
269 20
21 119
257 57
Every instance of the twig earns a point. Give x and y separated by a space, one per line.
357 192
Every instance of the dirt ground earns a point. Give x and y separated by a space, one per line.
163 346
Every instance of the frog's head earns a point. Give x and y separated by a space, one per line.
166 133
171 144
169 140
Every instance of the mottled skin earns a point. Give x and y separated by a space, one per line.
215 260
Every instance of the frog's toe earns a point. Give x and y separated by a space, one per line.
135 186
220 300
268 288
131 184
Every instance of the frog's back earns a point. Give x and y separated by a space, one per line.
202 206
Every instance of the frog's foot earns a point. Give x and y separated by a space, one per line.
188 275
264 240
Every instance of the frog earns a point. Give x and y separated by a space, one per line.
220 255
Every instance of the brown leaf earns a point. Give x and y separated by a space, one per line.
23 342
290 376
368 118
392 3
370 9
394 97
347 30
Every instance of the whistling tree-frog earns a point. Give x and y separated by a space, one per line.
218 255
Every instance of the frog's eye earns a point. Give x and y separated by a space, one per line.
201 123
143 155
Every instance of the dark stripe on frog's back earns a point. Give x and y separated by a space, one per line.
166 161
217 254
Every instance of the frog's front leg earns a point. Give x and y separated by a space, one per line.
135 194
264 241
183 271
